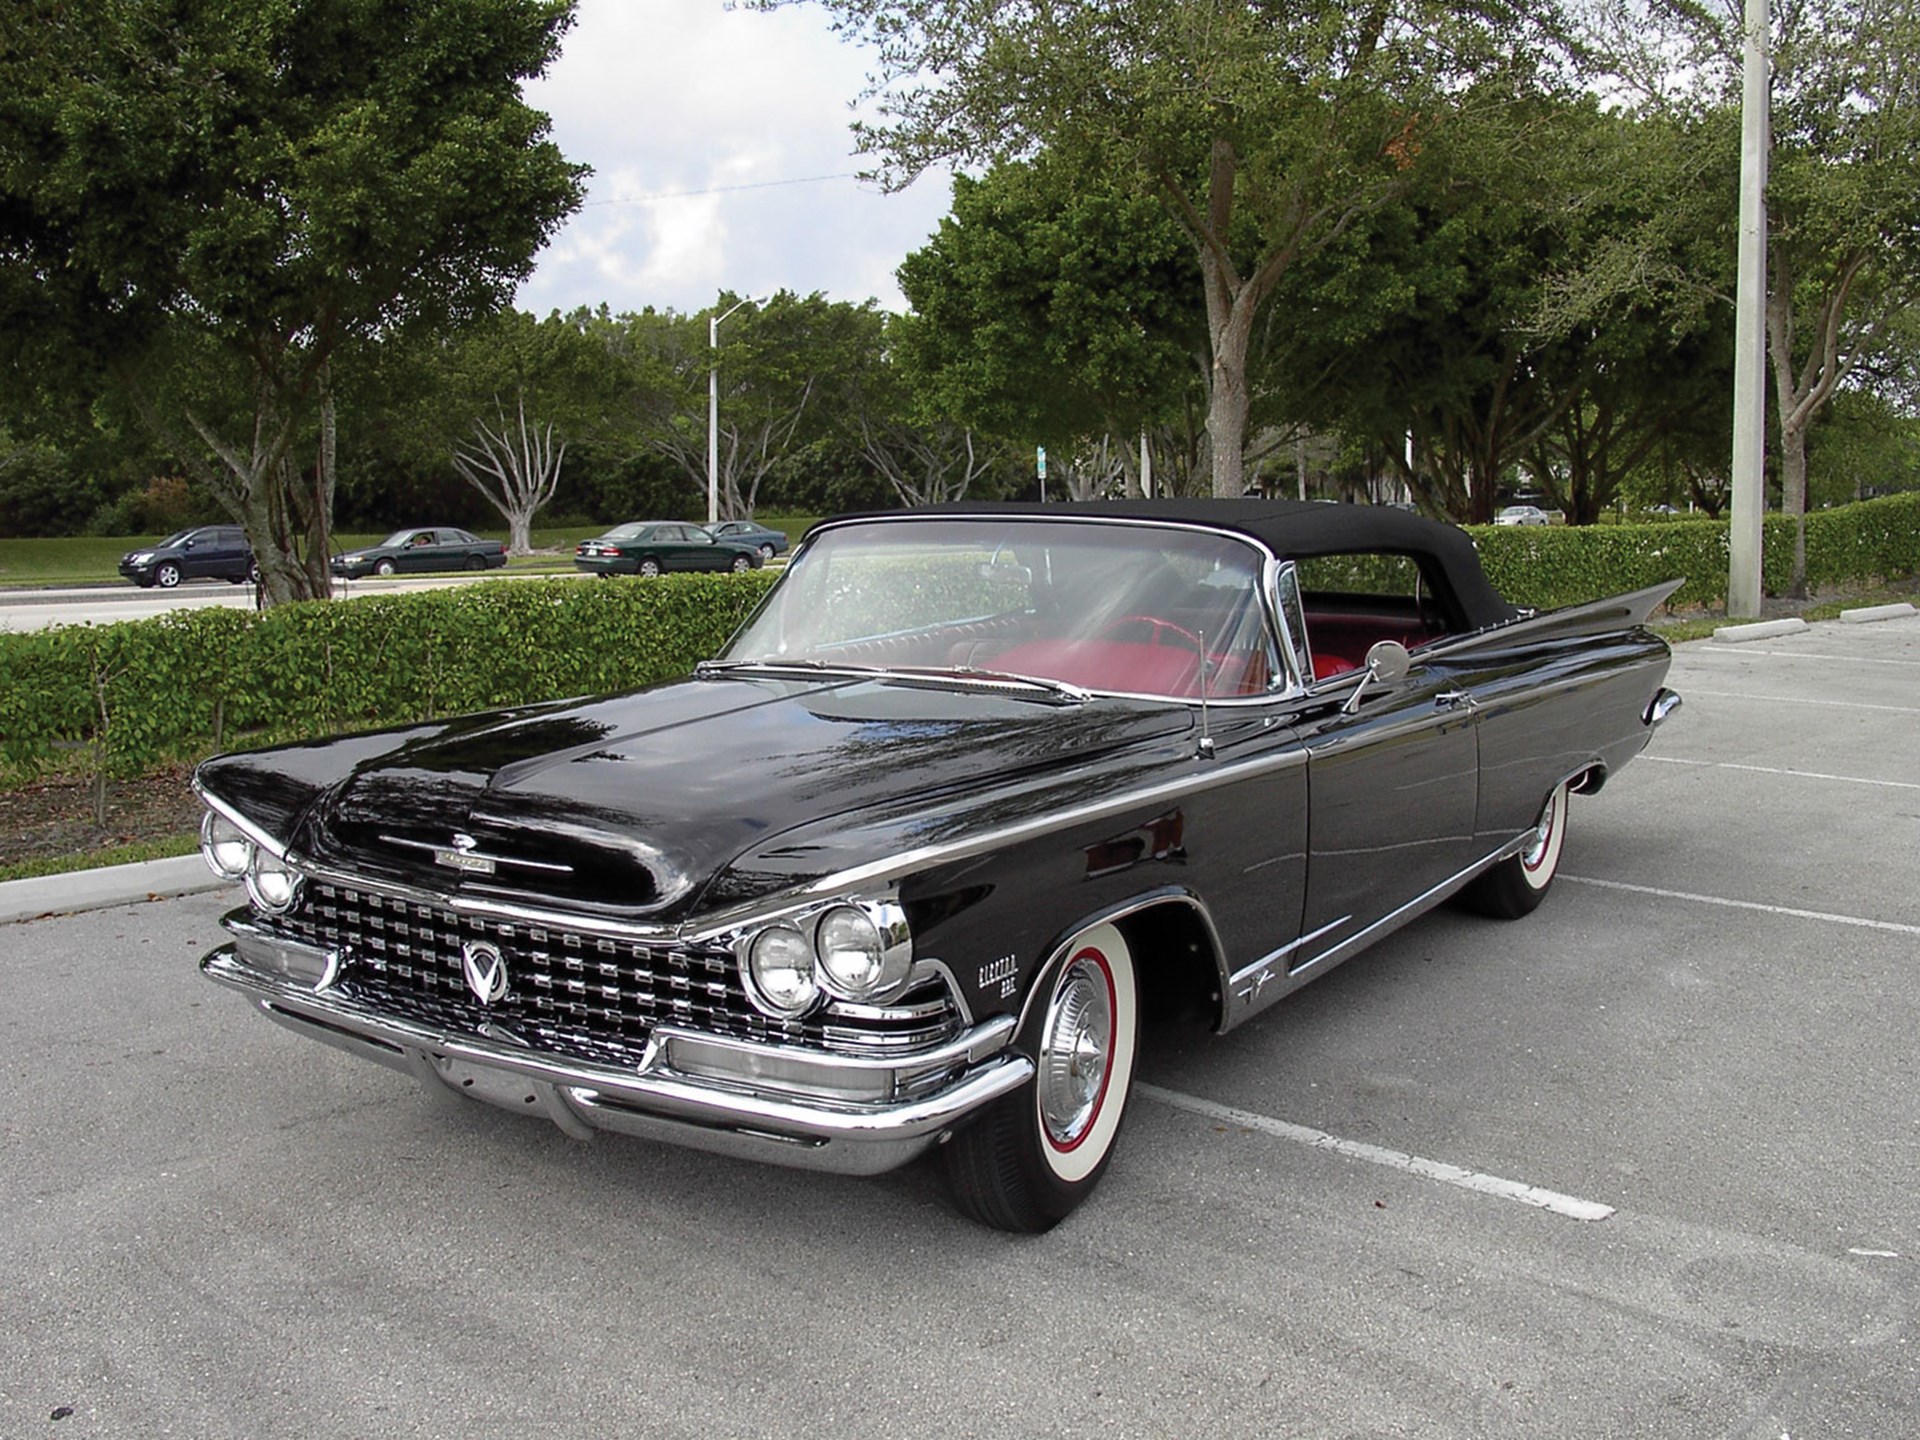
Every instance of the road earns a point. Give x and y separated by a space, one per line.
107 605
1703 1043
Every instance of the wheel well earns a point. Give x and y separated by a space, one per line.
1589 781
1175 963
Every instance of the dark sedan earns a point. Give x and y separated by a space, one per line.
973 794
205 552
420 550
750 532
653 547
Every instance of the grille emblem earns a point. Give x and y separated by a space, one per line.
462 857
485 969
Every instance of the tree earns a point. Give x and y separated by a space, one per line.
1266 131
1843 224
1843 193
258 189
772 358
1050 307
518 388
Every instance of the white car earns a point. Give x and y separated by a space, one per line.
1522 515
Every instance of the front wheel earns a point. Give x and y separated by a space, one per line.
741 564
1518 884
385 567
166 575
1036 1154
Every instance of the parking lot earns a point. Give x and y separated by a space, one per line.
1642 1164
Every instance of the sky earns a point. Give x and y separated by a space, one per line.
709 131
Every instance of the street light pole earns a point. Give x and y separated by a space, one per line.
1750 329
713 409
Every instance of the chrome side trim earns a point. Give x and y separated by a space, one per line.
1248 981
1414 908
906 862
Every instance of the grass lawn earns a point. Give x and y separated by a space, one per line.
95 559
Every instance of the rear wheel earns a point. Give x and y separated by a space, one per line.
649 567
1036 1154
474 562
766 551
1518 884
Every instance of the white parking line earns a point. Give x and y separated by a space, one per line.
1796 700
1891 926
1744 653
1776 770
1567 1205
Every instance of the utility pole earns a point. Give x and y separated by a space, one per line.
713 410
1750 327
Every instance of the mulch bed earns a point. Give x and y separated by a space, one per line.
53 818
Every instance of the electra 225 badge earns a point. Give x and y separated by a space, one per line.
461 857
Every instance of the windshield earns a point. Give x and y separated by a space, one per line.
1128 609
397 538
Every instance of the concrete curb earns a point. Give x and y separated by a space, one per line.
1870 613
1759 630
78 890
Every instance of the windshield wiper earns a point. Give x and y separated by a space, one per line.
1059 689
812 667
1055 691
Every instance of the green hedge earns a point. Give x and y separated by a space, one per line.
126 698
1550 566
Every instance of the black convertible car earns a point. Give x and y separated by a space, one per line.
976 789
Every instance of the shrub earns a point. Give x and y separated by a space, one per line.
133 696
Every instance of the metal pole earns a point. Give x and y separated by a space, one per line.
713 409
1750 328
713 419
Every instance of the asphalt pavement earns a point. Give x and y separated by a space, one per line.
1641 1164
109 604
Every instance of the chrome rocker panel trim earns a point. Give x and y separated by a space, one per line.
741 1115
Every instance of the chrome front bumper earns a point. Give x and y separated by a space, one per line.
812 1109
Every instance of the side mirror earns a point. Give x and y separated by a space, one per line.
1387 661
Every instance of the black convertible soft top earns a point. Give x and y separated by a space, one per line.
1292 529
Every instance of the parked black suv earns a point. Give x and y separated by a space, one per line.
206 552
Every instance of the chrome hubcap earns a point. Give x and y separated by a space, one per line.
1074 1050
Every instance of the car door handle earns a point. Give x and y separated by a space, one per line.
1452 699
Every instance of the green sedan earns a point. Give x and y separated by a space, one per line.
653 547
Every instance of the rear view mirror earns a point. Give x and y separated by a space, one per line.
1387 661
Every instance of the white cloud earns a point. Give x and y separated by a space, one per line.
709 131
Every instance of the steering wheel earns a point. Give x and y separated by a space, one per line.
1159 627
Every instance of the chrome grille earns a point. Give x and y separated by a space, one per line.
594 997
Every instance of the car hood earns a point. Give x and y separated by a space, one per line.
633 805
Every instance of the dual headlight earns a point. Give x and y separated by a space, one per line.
851 952
232 854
